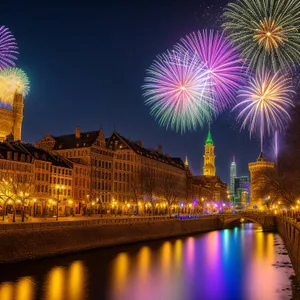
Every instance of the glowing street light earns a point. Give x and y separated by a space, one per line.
58 188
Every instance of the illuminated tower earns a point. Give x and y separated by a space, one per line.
11 119
209 157
18 106
255 169
232 176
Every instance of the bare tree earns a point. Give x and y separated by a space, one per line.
5 196
135 188
22 188
150 185
171 190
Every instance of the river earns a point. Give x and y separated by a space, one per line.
242 263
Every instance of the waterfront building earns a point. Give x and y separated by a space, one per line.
123 172
256 169
50 175
232 177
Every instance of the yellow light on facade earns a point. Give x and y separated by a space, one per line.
128 205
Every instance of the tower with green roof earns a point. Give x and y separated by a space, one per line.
209 168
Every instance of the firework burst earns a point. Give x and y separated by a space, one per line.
13 80
221 61
8 48
266 31
265 103
177 90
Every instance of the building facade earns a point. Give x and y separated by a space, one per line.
119 171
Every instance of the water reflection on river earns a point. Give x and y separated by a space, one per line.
228 264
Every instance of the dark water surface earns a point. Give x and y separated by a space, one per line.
241 263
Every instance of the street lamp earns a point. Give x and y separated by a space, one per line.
34 203
58 188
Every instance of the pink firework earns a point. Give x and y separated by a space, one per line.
8 48
177 90
221 61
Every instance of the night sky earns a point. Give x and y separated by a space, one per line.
87 59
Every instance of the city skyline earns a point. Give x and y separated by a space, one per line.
65 95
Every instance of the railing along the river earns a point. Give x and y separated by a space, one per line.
97 221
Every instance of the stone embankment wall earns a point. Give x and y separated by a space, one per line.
34 240
289 230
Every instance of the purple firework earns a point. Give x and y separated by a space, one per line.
8 48
222 62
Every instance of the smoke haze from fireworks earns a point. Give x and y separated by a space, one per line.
222 62
8 48
265 103
177 91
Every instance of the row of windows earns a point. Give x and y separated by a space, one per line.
103 175
124 167
63 181
104 186
42 188
81 182
121 187
61 171
82 171
123 177
17 177
42 165
43 177
75 153
15 166
101 164
18 157
125 156
57 192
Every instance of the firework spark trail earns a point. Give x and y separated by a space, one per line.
222 62
13 80
8 48
177 91
266 31
265 103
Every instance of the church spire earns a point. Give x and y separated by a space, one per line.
209 140
186 162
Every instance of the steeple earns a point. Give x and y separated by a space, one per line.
186 162
209 140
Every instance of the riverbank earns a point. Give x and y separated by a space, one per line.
289 230
35 240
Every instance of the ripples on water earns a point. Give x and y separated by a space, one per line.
235 264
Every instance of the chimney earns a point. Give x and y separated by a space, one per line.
139 143
159 149
77 132
10 138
